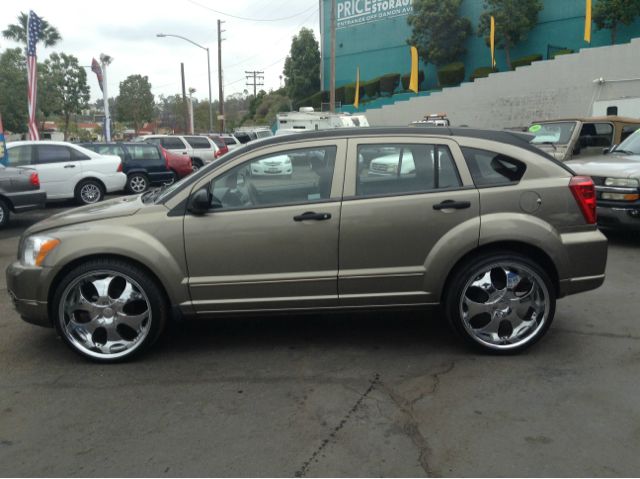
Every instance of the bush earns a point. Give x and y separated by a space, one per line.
372 88
451 74
482 72
524 61
566 51
406 79
389 83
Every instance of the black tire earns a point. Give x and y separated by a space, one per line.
137 183
89 192
528 281
156 303
196 164
4 213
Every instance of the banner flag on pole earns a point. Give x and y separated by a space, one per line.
413 81
95 68
492 42
4 157
356 102
34 30
587 23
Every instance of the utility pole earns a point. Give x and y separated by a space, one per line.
255 79
220 90
332 73
184 100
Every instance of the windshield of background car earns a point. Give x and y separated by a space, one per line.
631 145
557 133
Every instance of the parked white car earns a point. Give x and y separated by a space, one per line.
200 149
69 171
274 165
388 164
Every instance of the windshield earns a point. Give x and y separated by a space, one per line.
556 133
631 145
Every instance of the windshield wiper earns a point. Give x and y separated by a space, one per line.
624 152
555 148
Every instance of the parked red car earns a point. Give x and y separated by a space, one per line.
180 164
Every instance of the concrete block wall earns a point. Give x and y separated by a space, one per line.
558 88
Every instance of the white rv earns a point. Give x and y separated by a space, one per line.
308 119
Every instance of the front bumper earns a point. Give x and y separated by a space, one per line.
619 217
24 285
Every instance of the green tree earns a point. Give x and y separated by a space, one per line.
514 20
438 30
13 90
609 14
66 81
302 66
18 31
135 101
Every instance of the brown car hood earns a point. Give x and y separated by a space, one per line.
614 165
124 206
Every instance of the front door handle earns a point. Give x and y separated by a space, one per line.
452 205
310 215
69 166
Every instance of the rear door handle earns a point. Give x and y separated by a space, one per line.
310 215
69 166
452 205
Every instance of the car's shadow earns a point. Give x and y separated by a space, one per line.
622 237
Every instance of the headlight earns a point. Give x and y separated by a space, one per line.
620 197
287 160
36 249
621 182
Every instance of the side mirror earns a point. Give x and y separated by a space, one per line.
200 202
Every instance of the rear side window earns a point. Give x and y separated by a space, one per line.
627 131
52 154
109 150
20 155
144 152
198 142
172 143
489 168
243 137
403 169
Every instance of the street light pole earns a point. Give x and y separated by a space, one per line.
163 35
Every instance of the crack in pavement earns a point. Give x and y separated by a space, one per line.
325 442
603 335
411 425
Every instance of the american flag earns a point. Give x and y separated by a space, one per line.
95 68
34 30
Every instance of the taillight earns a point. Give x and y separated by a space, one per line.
119 170
218 153
584 191
34 179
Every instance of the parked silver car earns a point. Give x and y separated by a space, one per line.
486 225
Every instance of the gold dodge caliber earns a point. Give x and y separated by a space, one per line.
480 222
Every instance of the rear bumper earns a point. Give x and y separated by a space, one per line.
27 200
115 182
161 178
586 262
23 283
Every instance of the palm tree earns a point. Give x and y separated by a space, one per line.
18 32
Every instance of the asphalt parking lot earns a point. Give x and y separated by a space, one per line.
344 395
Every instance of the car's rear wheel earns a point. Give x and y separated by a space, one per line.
196 164
89 192
109 310
501 302
137 183
4 213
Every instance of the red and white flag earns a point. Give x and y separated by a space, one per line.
34 30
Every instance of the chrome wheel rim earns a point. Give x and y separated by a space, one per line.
105 314
504 305
90 193
138 184
195 167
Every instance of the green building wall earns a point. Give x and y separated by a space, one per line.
381 47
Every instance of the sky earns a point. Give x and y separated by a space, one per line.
126 30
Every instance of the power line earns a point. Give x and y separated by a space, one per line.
250 19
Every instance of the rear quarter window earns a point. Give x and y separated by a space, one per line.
489 168
198 142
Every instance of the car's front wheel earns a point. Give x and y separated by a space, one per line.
4 213
109 310
89 192
500 302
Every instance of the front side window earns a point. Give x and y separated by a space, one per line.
489 168
404 168
52 154
20 155
291 177
596 135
